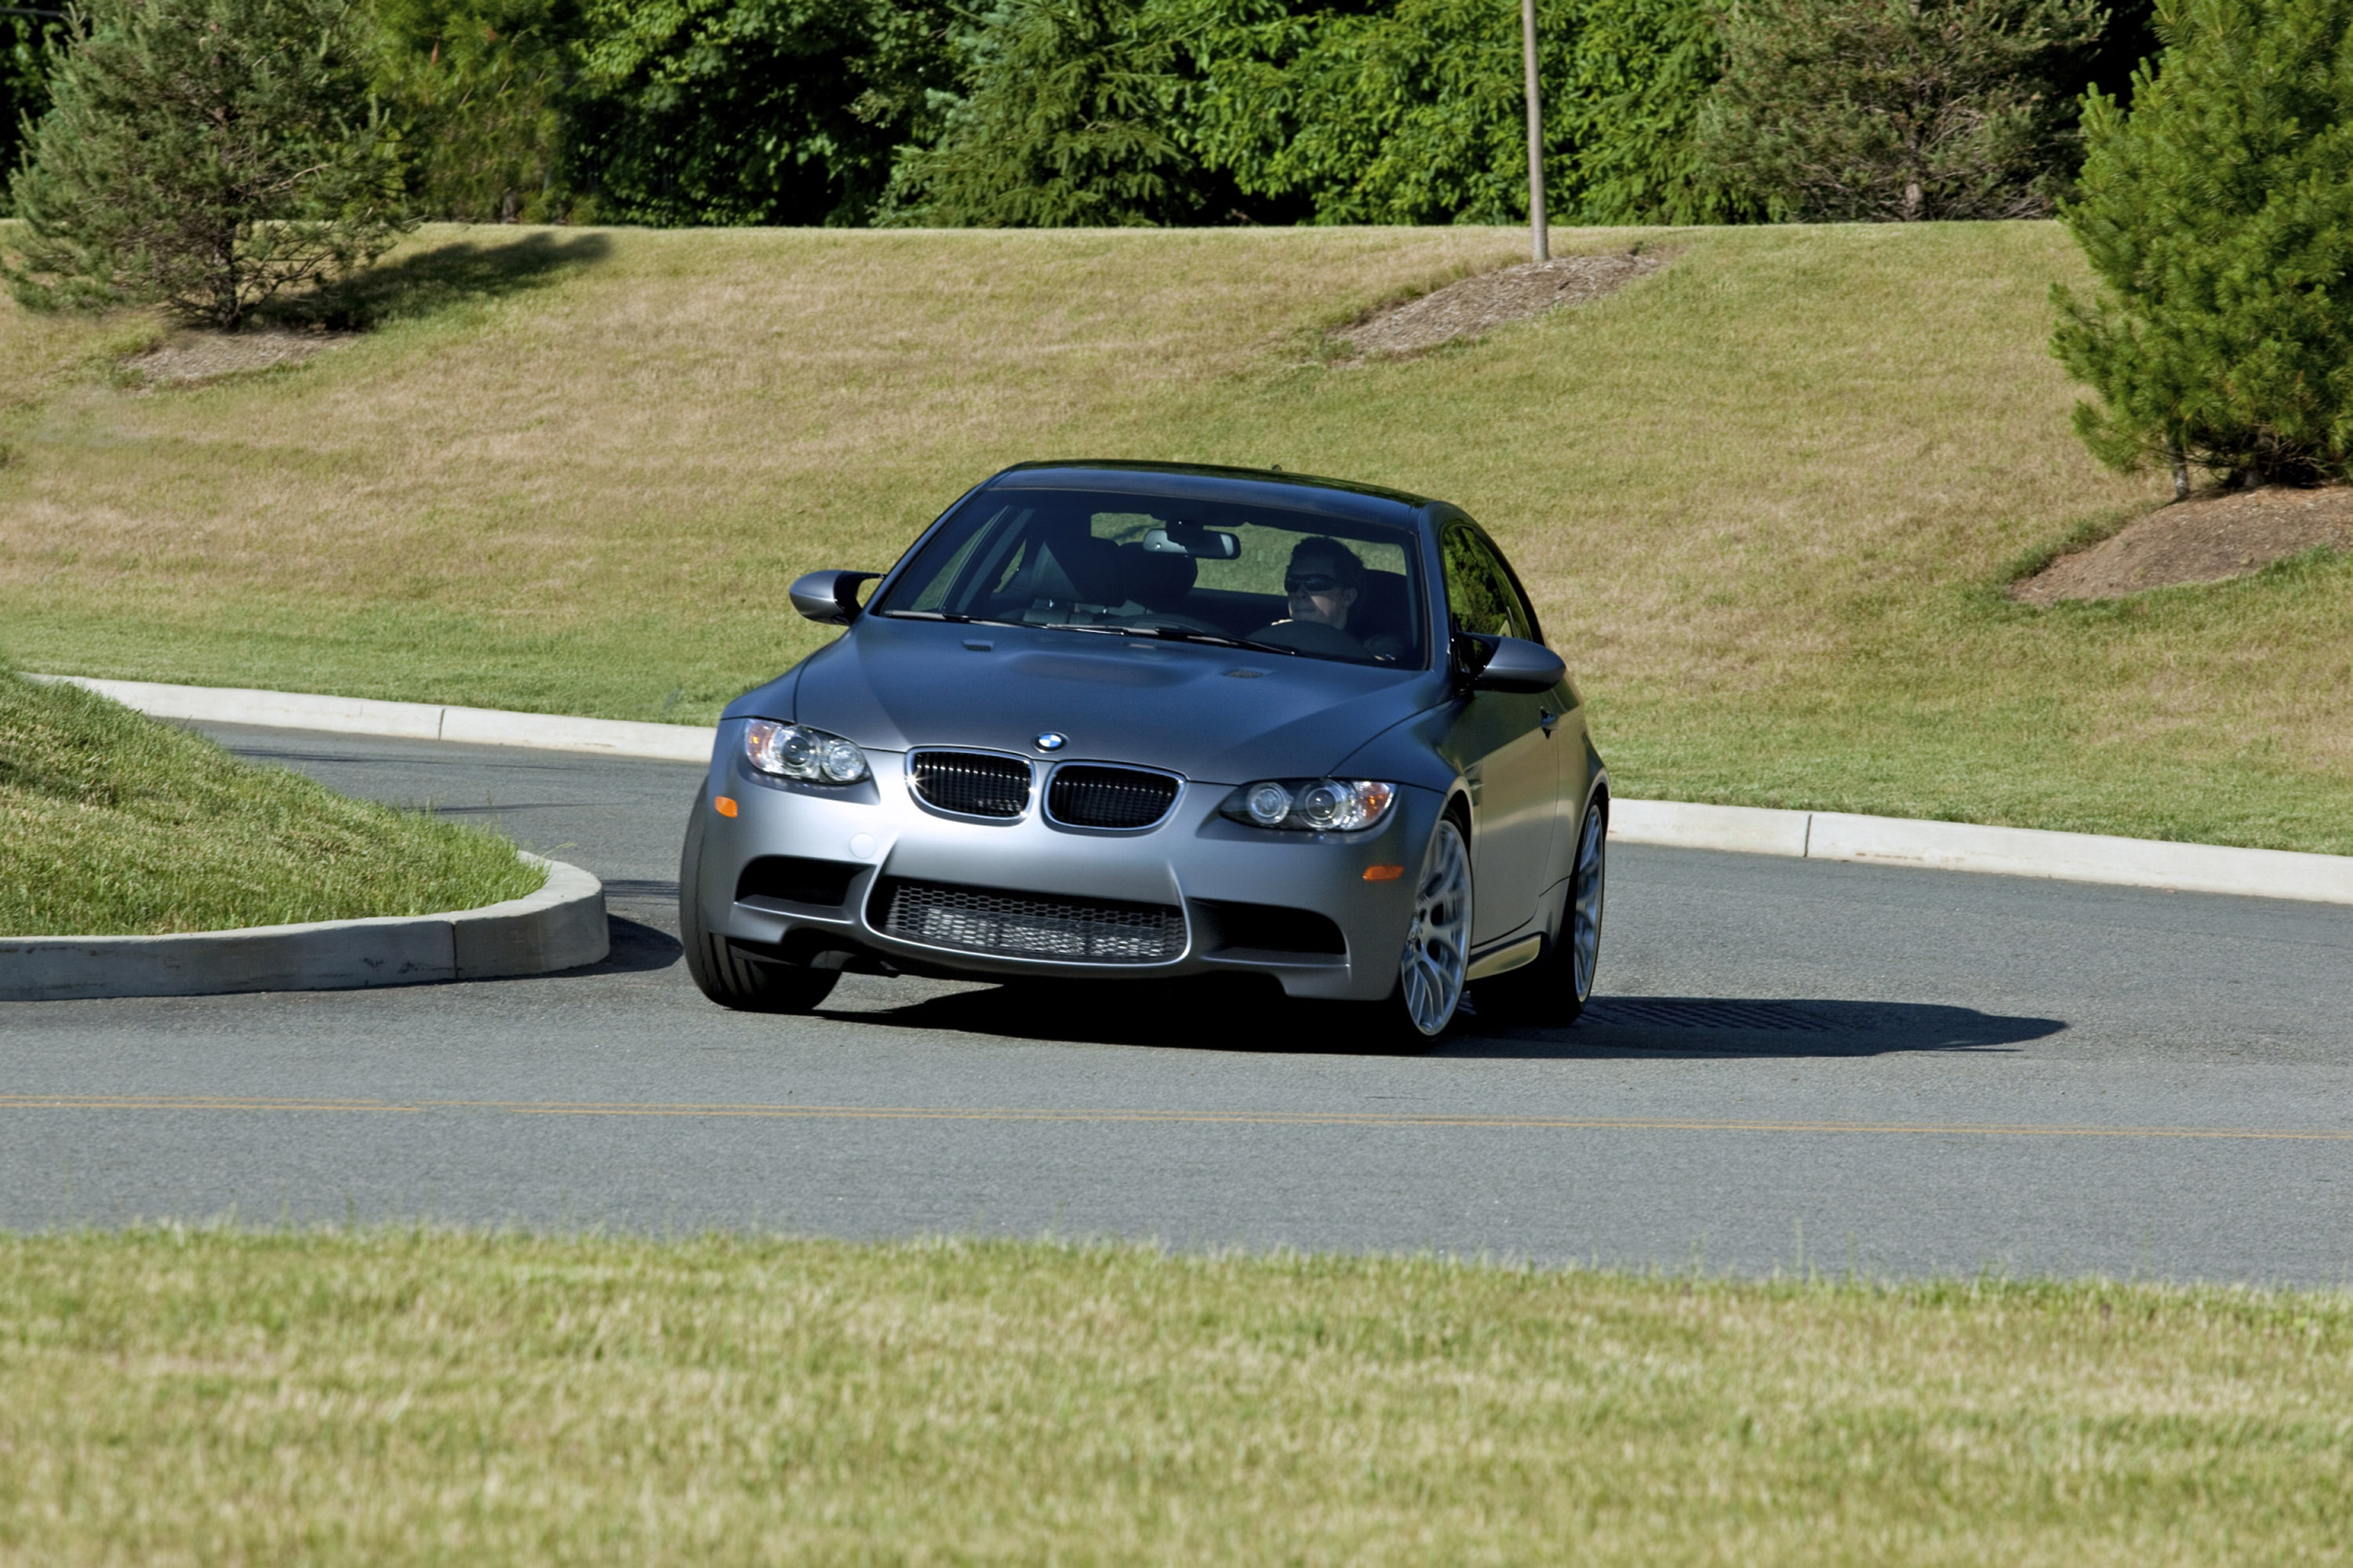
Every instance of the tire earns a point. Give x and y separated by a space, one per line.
1555 989
1427 997
723 974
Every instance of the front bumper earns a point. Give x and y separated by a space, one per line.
875 837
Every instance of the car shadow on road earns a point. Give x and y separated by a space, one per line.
1242 1015
1720 1026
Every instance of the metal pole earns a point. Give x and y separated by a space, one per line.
1540 242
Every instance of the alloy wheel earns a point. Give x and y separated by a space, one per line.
1437 946
1585 906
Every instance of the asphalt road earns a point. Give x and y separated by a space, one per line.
1792 1065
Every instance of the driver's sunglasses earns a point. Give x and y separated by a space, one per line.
1310 582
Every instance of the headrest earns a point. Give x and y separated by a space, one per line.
1381 608
1072 567
1154 579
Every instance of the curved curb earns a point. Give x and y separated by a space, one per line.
1744 830
2000 852
404 721
561 926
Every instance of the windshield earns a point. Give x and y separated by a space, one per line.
1289 582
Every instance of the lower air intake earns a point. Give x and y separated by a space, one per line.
1030 925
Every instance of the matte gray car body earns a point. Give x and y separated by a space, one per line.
804 873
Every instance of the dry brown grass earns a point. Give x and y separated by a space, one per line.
169 1396
1768 498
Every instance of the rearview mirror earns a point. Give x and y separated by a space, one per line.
1194 539
829 599
1511 664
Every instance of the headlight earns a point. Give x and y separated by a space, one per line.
796 751
1311 805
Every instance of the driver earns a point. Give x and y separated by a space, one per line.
1323 582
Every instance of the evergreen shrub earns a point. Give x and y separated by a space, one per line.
2218 217
206 154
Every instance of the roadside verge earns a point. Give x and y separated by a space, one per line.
404 721
561 926
1744 830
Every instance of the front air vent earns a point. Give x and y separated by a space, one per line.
1083 795
791 879
1268 928
970 783
1028 924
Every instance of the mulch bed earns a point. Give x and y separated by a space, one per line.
1482 303
188 357
2207 538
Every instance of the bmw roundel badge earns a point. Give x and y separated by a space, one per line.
1050 741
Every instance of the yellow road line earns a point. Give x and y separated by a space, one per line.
1197 1117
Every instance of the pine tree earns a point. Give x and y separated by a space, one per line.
1069 122
206 154
1898 109
2217 217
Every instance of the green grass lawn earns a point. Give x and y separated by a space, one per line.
1768 498
389 1397
113 824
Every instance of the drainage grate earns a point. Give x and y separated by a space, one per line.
1031 925
1086 795
970 783
1777 1017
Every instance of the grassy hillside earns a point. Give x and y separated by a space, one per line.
1768 498
113 824
419 1397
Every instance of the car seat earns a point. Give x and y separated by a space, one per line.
1064 567
1384 608
1159 580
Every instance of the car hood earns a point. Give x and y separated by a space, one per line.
1217 715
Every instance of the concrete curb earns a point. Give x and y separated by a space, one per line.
561 926
2001 851
1744 830
405 721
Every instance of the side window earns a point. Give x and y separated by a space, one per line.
1479 591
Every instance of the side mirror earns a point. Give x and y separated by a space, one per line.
829 599
1509 664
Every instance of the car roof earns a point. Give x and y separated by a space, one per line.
1268 487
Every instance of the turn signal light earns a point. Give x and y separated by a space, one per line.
1383 872
726 807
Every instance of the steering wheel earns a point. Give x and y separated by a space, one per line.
1310 637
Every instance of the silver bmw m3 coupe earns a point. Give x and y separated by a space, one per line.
1110 720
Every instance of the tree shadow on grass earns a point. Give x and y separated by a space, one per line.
436 278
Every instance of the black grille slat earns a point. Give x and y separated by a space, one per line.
970 783
1085 796
1030 925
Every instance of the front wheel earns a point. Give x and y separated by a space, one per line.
1555 989
722 974
1428 992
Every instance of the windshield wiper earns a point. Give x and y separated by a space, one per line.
1186 634
1175 634
949 616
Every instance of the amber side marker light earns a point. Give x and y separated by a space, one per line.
726 807
1383 872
